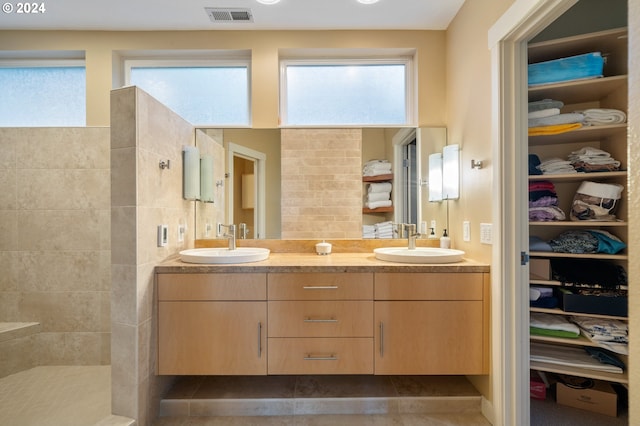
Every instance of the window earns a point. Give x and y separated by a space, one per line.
214 92
341 92
42 93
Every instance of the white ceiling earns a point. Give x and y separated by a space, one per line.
191 15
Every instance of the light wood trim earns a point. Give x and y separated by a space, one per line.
212 286
428 286
486 324
352 318
353 356
212 338
320 286
440 337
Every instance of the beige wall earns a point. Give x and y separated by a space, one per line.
264 46
55 245
469 124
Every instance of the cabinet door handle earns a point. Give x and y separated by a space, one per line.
381 340
320 287
259 339
309 319
310 357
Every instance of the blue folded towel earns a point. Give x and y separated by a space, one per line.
589 65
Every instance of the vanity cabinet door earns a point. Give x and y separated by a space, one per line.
212 338
429 337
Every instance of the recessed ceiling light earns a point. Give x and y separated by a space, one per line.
271 1
368 1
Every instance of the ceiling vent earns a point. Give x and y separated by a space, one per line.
226 14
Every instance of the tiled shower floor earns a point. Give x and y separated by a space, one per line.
56 396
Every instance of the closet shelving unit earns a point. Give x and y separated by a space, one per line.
378 178
607 92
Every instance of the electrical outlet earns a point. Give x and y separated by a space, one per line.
207 229
182 229
433 226
466 231
485 233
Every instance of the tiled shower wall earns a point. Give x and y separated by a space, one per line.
321 183
55 245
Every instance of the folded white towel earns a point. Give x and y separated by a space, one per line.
380 187
600 116
378 196
544 113
552 322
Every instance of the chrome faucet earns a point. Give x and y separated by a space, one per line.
231 235
410 229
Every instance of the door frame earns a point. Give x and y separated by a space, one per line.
507 41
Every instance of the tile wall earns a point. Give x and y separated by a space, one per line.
321 183
55 245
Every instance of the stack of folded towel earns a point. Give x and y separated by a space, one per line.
602 116
554 166
545 118
379 230
376 168
543 202
590 159
378 195
541 324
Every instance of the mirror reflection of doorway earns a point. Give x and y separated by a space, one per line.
246 200
410 183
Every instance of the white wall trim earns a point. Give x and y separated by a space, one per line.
507 40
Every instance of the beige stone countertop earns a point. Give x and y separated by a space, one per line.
311 262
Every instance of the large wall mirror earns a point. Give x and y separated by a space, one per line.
250 189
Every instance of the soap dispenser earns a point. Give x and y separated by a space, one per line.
445 241
432 234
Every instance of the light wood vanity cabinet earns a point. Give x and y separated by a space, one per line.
212 324
431 323
323 323
320 323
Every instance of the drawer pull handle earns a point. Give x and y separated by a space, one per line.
381 339
310 357
259 339
309 319
320 287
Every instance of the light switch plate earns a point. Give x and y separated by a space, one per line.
163 235
485 233
466 231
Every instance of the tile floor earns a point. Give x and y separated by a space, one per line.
321 400
56 396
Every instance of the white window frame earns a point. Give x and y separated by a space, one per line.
163 62
410 85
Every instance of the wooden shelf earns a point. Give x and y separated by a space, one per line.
578 341
583 134
579 91
378 210
558 311
579 256
580 223
578 177
378 178
580 372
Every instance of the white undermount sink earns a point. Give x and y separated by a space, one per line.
418 255
224 255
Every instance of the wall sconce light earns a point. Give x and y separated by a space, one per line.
444 174
476 164
435 177
451 172
206 178
190 173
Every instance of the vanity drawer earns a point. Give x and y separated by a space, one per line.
212 286
320 356
320 318
320 286
429 286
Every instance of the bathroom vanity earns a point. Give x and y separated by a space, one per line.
347 313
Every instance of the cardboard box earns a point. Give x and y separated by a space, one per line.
601 398
539 269
592 304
